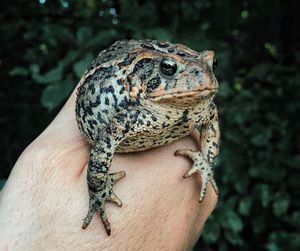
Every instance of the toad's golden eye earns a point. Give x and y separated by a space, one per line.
168 67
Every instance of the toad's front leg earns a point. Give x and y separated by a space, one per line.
208 141
100 182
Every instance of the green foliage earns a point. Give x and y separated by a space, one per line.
46 49
259 165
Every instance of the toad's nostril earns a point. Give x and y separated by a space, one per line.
195 71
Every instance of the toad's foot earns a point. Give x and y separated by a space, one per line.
100 194
200 166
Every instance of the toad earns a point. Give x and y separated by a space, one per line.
140 94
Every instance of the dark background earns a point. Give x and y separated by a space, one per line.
46 45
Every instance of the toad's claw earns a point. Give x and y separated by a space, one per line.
98 197
200 166
114 198
116 176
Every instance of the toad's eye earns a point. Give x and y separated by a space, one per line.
168 66
215 64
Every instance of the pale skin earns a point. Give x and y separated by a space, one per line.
45 199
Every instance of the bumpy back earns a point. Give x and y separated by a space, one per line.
113 81
101 89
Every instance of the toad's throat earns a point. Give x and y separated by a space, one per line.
187 94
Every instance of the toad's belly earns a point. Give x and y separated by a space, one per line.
150 139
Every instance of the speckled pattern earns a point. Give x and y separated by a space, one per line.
142 94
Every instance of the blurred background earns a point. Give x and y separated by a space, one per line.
47 44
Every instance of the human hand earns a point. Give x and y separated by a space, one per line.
45 199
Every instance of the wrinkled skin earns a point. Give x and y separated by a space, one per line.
138 95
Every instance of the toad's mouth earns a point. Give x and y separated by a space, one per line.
187 94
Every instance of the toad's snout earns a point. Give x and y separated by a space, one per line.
199 78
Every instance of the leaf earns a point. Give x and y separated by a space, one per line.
242 113
34 69
260 71
211 232
284 240
80 67
295 161
262 138
19 71
101 38
55 32
224 90
280 207
241 184
233 222
67 60
262 192
272 247
159 34
245 206
54 75
295 219
54 94
233 238
83 34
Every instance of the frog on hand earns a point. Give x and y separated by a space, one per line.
142 94
45 196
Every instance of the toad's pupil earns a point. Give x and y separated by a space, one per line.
168 67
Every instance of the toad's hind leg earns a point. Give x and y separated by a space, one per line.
100 184
208 140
